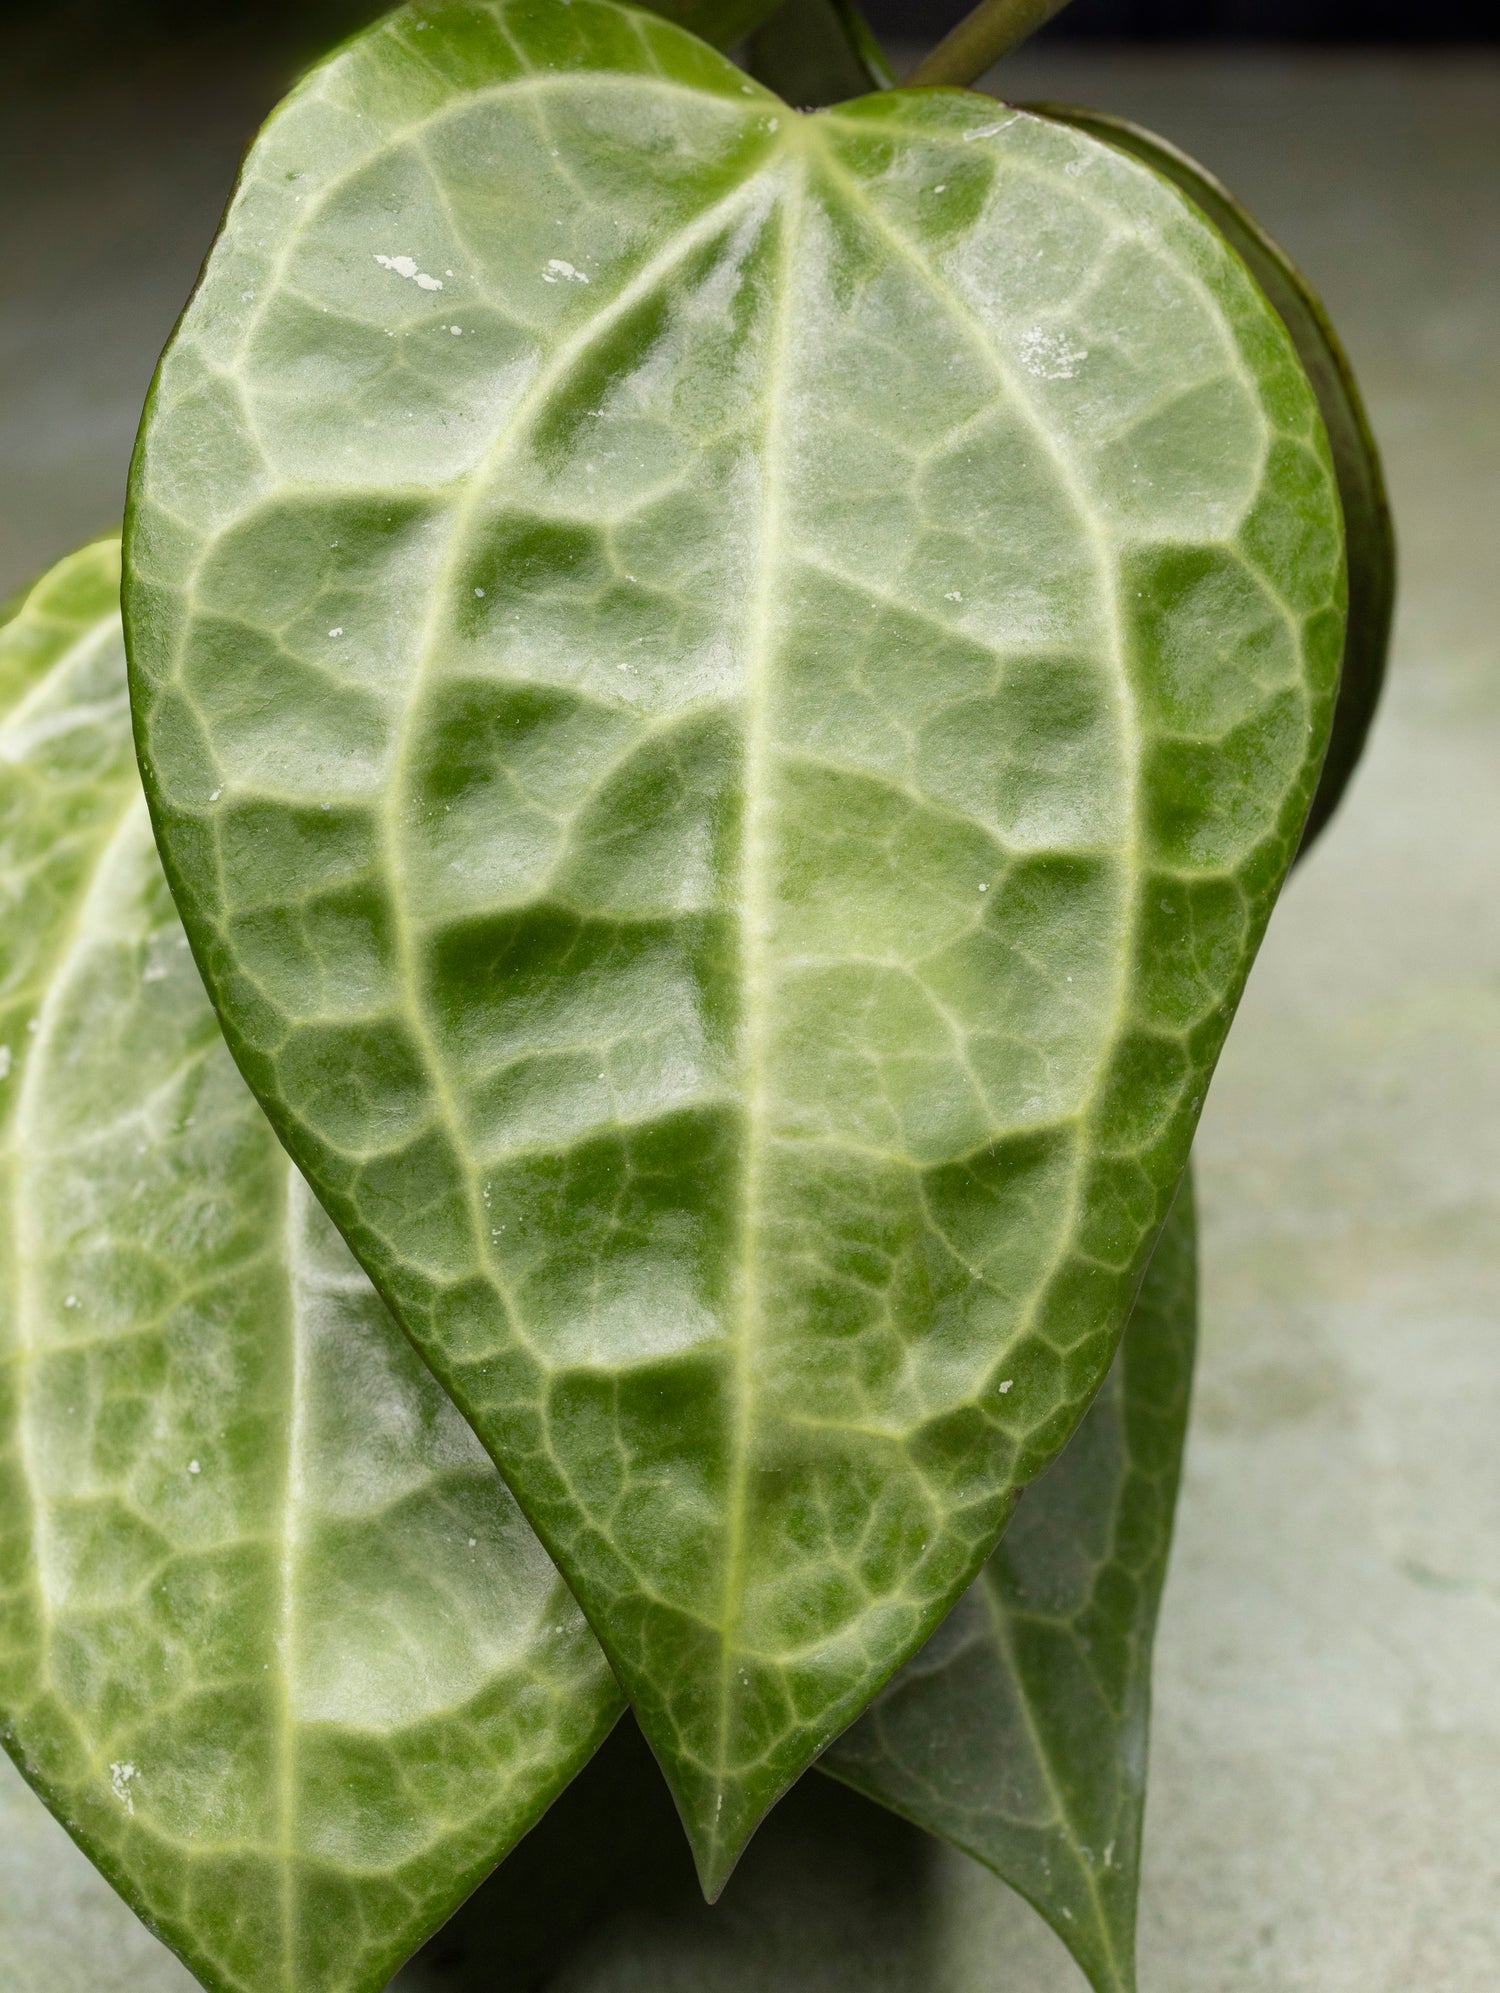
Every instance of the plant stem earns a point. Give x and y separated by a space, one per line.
993 29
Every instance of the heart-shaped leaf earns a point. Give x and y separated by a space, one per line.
275 1645
1019 1732
1368 527
726 696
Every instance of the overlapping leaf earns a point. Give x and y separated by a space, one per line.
817 52
1019 1732
1368 527
721 22
726 696
275 1644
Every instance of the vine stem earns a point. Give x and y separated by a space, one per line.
993 29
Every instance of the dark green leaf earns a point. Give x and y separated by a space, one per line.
814 52
275 1646
1019 1732
1368 527
720 22
725 770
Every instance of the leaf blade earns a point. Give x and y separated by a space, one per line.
1019 1734
535 1114
250 1652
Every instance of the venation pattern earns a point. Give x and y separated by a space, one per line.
726 696
1019 1733
275 1644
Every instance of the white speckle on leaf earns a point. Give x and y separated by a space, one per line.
406 266
194 1467
954 595
1051 356
1006 1385
1109 1855
119 1779
154 972
984 889
479 591
338 632
557 267
456 330
473 1541
214 795
941 187
992 130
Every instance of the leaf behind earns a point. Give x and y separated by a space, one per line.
276 1646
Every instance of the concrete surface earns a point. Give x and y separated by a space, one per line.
1325 1813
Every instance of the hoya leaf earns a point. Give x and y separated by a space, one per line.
1368 527
726 696
817 52
1019 1732
275 1645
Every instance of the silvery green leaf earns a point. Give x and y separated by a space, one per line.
1019 1732
276 1646
726 696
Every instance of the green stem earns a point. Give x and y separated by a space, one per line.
993 29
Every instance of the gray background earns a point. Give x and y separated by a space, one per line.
1325 1811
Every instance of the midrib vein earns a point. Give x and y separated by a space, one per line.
25 1227
1004 1640
757 861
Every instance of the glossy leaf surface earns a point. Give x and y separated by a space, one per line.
1369 530
1019 1732
275 1644
725 769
